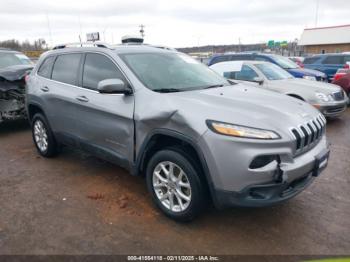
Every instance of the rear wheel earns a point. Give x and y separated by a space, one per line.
175 186
43 137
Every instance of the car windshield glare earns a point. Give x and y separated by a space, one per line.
11 59
172 72
285 62
273 72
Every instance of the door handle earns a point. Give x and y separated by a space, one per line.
45 89
82 99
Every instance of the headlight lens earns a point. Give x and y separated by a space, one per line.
310 78
241 131
323 97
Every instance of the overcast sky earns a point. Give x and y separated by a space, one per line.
176 23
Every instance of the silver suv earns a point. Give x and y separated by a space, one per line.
194 135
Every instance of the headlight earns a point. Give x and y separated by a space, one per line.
310 78
323 97
241 131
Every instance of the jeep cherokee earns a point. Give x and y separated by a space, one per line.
194 135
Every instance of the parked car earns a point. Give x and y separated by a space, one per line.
342 79
163 114
328 63
329 99
298 60
14 66
281 61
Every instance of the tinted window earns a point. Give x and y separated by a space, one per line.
310 60
66 68
333 60
261 58
97 68
46 66
240 57
246 74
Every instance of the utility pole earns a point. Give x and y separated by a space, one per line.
142 30
316 15
49 27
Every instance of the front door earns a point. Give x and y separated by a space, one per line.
105 120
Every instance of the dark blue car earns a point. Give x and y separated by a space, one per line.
281 61
328 63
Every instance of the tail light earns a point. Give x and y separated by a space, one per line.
26 79
346 66
338 76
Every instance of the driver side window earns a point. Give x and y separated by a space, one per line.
97 68
246 74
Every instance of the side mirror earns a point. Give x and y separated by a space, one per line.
113 86
258 80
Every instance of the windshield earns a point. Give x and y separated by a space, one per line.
284 62
172 72
11 59
273 72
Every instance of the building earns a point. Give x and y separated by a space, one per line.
332 39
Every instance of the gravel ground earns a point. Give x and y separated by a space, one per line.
78 204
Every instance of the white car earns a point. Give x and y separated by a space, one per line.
330 99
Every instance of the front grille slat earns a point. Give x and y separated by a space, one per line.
309 133
338 96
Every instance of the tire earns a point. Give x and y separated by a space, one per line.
174 191
43 137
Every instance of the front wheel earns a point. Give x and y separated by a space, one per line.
43 137
175 185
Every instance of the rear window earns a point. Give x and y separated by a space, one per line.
46 67
11 59
66 68
333 60
310 60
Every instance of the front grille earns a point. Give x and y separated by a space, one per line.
338 96
309 133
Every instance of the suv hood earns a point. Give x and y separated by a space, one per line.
243 105
305 86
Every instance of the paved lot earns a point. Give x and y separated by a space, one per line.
77 204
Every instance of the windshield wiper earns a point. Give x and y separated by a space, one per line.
167 90
213 86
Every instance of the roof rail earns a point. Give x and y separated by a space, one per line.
83 44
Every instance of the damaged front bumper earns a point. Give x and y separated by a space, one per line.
236 184
275 192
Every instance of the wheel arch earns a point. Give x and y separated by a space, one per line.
34 109
163 138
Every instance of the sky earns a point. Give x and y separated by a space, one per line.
175 23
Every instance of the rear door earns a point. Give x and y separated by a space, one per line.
58 77
105 121
331 64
